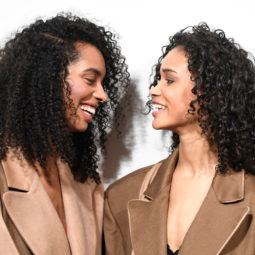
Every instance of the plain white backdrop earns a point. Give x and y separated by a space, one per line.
143 27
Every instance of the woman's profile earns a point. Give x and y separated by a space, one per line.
60 82
200 200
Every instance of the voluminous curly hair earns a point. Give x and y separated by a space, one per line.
224 83
33 68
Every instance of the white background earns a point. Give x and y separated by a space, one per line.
143 27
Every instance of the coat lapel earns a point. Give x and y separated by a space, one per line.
213 230
31 210
7 245
148 217
219 217
148 225
83 203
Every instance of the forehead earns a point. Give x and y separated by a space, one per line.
175 59
89 57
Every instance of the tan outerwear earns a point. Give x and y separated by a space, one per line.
136 222
33 214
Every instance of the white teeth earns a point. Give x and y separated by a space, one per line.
88 109
157 107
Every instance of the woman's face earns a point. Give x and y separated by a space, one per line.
85 76
172 95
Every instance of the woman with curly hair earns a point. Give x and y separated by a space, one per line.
60 81
201 199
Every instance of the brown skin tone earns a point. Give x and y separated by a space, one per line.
85 80
195 169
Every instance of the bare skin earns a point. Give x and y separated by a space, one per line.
191 181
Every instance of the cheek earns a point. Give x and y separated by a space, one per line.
74 93
179 102
177 99
77 92
188 96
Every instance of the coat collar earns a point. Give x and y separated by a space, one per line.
228 188
33 214
83 203
19 174
150 216
31 210
163 177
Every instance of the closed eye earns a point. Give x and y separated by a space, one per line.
169 81
90 81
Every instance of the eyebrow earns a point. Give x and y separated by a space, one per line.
93 70
168 70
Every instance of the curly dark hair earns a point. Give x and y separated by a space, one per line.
33 66
224 83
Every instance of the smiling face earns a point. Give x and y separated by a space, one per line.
172 95
85 76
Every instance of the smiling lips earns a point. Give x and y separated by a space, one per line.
157 108
89 109
89 112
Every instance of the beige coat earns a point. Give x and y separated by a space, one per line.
36 219
223 225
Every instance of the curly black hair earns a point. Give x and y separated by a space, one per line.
224 83
33 66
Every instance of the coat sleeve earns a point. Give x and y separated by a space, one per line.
113 241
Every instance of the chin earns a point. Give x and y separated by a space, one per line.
78 129
157 127
81 130
162 126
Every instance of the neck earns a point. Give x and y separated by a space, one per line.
196 156
51 173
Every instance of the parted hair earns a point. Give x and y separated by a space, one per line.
33 68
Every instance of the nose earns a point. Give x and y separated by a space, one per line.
100 93
155 90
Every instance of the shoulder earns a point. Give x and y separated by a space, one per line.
131 180
128 187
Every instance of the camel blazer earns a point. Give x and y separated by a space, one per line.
136 208
36 219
